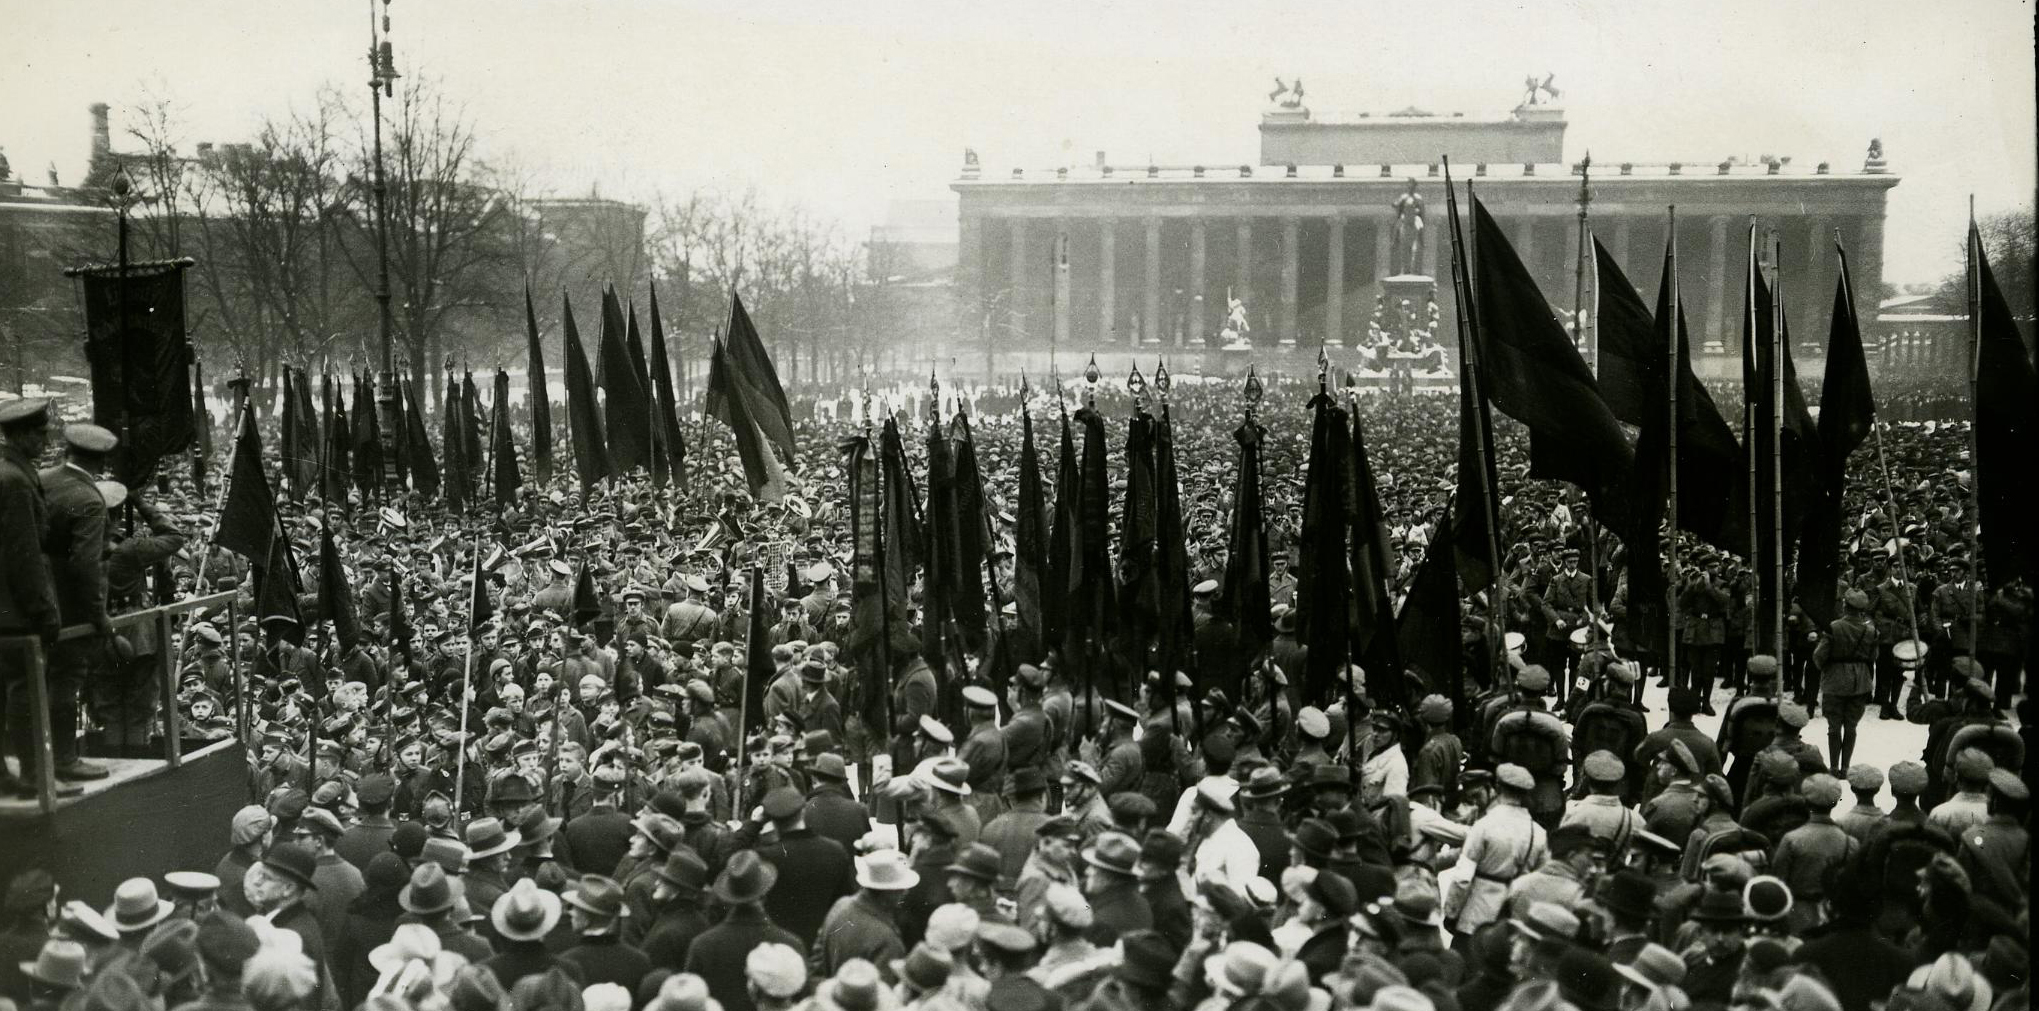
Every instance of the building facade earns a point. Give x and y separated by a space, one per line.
1151 256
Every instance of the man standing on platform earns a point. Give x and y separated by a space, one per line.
28 603
76 546
1846 657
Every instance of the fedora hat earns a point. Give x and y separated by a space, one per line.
950 775
598 895
1654 966
526 912
1115 852
292 860
1315 837
745 879
136 906
886 871
429 891
1629 893
925 968
1719 907
980 861
685 871
829 765
486 837
1265 782
60 964
1149 960
855 987
1416 904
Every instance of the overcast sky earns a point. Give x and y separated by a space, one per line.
843 106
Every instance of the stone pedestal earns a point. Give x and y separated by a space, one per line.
1417 288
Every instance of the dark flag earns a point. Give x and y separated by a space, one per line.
453 446
1643 355
869 645
400 633
587 604
1373 575
973 535
1091 608
583 414
1138 607
938 596
1245 595
1427 631
503 445
471 421
626 413
758 380
903 545
1061 542
1531 370
293 466
538 397
1709 459
336 470
367 455
1174 633
758 667
1847 410
2006 423
1323 586
247 518
1478 491
418 446
309 449
1030 543
1785 445
336 593
639 364
480 611
668 406
738 403
276 589
141 364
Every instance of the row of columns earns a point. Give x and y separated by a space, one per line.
1714 309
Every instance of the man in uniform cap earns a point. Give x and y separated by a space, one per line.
28 603
76 543
1860 821
1971 768
1601 811
1026 733
1082 799
1503 844
1123 764
1998 852
984 752
1803 857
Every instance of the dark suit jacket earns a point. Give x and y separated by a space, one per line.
75 541
608 960
1118 910
718 955
814 871
598 840
27 600
519 959
833 814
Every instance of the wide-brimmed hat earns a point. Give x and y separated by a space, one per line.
950 776
1719 907
598 895
526 912
1264 782
856 986
1115 852
685 871
1416 903
1149 959
829 765
136 907
429 891
60 964
293 861
980 861
1653 967
886 871
745 879
925 968
1315 837
1547 921
486 837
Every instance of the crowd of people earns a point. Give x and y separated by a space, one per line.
559 811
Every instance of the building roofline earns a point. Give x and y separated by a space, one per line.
1604 173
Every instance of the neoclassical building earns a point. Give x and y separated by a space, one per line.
1111 256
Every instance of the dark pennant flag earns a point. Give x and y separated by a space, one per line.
453 443
1138 608
538 396
758 667
503 453
733 400
367 455
1061 543
1427 631
758 381
2006 423
247 519
418 446
1531 370
336 594
626 412
1373 574
583 414
670 440
141 364
1245 595
1030 544
1174 633
1847 410
1323 586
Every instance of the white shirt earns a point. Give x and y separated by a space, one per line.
1386 774
1185 805
1228 855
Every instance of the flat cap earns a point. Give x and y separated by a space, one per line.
1763 665
1821 791
1793 715
1312 722
1515 777
1602 767
1532 678
1865 778
1856 599
1776 765
1434 709
1130 807
1973 763
2007 785
1081 772
980 697
1907 779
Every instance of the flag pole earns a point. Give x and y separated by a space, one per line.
1777 352
1974 420
1468 322
205 548
1750 404
1674 381
1587 527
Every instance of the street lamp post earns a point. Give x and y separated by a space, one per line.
382 81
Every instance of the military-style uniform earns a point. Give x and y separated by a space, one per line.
28 603
75 542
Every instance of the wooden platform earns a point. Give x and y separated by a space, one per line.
144 819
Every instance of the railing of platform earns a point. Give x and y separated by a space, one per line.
167 655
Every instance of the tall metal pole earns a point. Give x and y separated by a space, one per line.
1674 380
382 80
1592 341
1776 421
1974 421
1462 279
